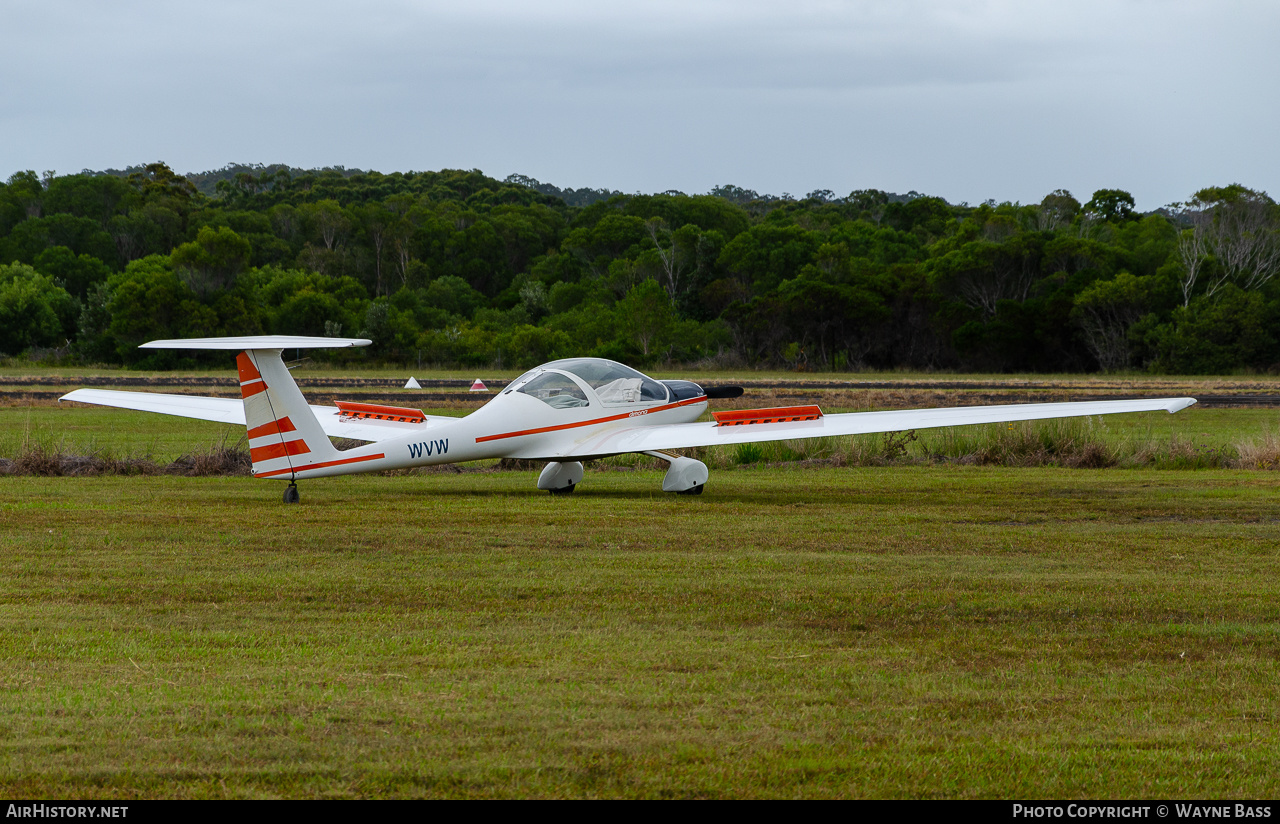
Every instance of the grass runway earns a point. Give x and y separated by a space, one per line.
916 631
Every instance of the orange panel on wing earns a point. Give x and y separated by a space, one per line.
351 409
778 414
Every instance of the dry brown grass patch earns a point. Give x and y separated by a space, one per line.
1260 453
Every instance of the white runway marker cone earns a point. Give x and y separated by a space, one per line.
479 386
413 384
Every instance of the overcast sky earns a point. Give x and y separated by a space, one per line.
969 100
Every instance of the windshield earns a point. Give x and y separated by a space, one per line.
613 382
555 390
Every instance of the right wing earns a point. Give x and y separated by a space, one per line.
231 410
686 435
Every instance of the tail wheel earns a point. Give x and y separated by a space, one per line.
291 494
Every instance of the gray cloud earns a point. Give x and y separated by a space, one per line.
964 99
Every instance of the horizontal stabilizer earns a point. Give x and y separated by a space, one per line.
256 342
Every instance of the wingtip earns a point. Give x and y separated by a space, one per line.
1179 404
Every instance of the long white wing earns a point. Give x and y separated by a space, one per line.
231 410
222 410
686 435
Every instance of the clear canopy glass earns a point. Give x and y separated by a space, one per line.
613 382
555 390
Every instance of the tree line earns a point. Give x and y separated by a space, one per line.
457 268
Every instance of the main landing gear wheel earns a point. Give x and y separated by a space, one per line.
291 493
684 475
559 478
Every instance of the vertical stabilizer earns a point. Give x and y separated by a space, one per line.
284 435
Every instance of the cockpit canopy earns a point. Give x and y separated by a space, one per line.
611 382
554 389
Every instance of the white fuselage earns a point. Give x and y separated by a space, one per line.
512 425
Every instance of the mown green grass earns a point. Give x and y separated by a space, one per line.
102 430
904 632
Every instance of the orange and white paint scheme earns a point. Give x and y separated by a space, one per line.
562 412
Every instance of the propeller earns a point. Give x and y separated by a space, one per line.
718 392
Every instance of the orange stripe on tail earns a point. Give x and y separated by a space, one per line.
272 428
248 372
251 382
248 390
278 450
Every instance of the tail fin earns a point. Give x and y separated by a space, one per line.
284 435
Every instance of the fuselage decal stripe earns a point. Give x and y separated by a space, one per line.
303 469
591 422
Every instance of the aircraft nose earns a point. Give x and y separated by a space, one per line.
683 390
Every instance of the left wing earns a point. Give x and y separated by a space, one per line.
231 410
686 435
221 410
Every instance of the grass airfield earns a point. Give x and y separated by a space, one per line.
908 631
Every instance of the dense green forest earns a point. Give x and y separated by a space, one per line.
456 268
